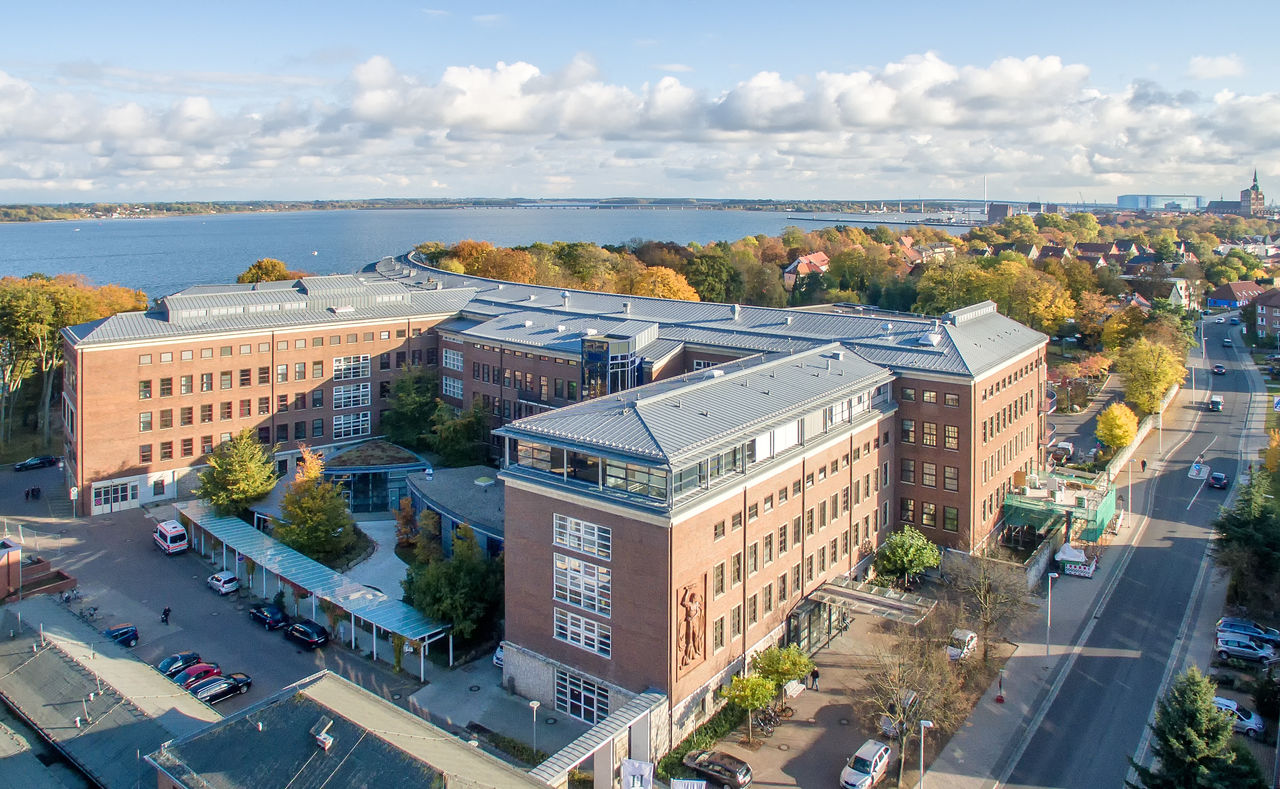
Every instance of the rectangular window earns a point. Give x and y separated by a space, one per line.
144 390
451 359
282 435
928 514
930 396
717 580
768 503
186 416
225 379
950 478
582 584
282 403
908 431
907 395
317 369
583 537
951 400
717 635
753 613
185 385
768 548
753 512
582 633
188 447
351 396
451 387
782 587
144 421
782 539
930 436
908 472
166 387
299 431
264 376
950 519
950 437
717 530
299 371
144 453
735 622
317 428
346 368
144 358
929 474
766 598
907 510
246 376
735 569
736 519
300 401
166 418
353 424
166 450
753 559
384 361
224 409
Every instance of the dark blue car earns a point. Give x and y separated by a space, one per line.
125 635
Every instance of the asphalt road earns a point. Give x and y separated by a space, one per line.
1099 716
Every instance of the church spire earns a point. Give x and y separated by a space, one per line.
1255 179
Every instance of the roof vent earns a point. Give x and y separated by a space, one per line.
560 327
626 307
839 356
500 284
532 297
737 310
715 374
592 332
564 297
886 327
528 324
790 318
321 732
345 308
439 285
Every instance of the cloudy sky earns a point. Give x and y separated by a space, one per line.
293 100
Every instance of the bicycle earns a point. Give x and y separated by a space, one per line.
89 614
70 595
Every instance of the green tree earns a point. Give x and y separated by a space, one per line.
1117 426
461 438
905 553
239 472
464 591
411 408
1248 543
750 693
427 545
714 277
1149 370
781 665
315 520
266 270
1191 741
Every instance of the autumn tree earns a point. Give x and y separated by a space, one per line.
781 665
663 283
266 270
750 693
992 595
314 519
1149 370
1117 426
1091 312
1121 328
1040 301
239 472
406 523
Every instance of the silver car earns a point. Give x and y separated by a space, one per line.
1243 721
1231 645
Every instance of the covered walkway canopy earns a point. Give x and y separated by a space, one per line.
881 601
355 599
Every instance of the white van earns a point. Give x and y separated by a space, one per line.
171 537
1215 403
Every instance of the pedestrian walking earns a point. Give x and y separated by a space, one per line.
813 678
164 615
1144 464
27 494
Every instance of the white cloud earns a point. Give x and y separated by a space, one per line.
1036 124
675 68
1215 66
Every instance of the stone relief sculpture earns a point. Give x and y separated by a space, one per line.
690 642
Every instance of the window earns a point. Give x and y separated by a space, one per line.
782 496
768 548
735 622
951 400
185 356
144 453
930 437
451 359
581 698
185 385
166 418
717 635
299 431
144 390
907 395
246 408
144 421
384 361
582 584
246 376
317 428
753 613
717 531
929 474
908 431
282 403
353 424
950 519
736 519
907 510
782 587
224 350
930 396
351 396
166 387
735 569
717 580
766 598
582 633
768 503
186 416
188 448
317 398
950 478
317 369
753 512
166 450
582 536
206 413
346 368
224 409
144 358
451 387
782 539
950 437
299 371
928 514
224 379
753 559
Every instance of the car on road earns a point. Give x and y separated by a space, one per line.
307 633
193 674
497 656
1219 480
1250 628
1243 721
215 689
224 582
961 644
1219 319
719 768
1274 357
39 461
270 616
1215 403
1219 369
176 663
123 634
1231 645
1235 320
866 767
1226 342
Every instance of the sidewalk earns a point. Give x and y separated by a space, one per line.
990 740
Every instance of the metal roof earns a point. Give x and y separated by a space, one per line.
555 768
368 604
881 601
668 420
565 333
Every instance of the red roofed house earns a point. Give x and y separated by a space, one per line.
1234 295
813 263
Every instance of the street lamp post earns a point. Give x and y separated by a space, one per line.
1048 615
534 706
923 725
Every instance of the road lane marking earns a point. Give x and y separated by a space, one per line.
1197 493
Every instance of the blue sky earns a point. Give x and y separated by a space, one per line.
824 100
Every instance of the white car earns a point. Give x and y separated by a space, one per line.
866 767
961 644
891 724
1219 319
1243 721
224 582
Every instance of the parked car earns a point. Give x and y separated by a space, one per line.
224 582
170 537
1232 645
215 689
1250 628
125 634
39 461
175 664
1274 357
1219 480
497 656
307 633
866 767
892 726
1243 721
1219 369
193 674
719 768
270 616
1063 451
1226 342
961 644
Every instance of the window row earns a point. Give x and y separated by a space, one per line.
540 386
246 349
582 632
581 536
928 474
998 421
908 395
582 584
1012 378
760 554
928 435
928 512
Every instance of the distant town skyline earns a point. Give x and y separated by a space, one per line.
236 101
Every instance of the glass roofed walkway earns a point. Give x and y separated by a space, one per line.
255 558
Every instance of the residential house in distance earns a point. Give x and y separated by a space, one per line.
1028 251
1101 249
936 252
801 267
1129 248
1267 322
1234 295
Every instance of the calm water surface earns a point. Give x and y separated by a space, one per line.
167 254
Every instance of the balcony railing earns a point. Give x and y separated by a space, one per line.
1050 402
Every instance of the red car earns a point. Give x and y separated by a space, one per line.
196 673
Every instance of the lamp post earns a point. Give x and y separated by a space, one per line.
1048 615
534 705
923 725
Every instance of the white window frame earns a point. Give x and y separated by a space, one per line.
573 690
582 584
582 536
451 359
351 396
451 387
357 423
347 368
585 634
